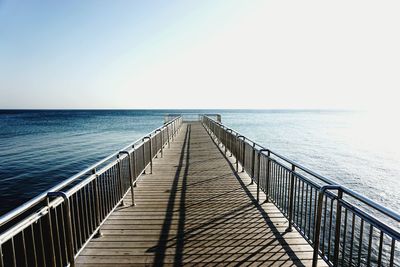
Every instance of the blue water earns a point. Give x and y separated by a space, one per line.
38 149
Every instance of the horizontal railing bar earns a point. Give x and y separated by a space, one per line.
23 224
299 166
390 213
310 194
26 222
100 225
31 203
368 218
88 199
352 193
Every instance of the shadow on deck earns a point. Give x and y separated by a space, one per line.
195 209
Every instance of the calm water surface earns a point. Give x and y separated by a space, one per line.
41 148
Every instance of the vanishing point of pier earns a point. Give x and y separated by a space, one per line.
198 193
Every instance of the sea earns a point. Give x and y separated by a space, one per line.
40 148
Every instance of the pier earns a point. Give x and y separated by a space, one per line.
195 192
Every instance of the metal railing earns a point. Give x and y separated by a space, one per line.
53 228
344 227
191 116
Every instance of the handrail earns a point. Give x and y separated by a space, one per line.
36 200
291 162
331 222
88 198
364 199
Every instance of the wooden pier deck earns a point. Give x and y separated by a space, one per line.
196 210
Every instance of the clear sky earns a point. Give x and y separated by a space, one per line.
199 54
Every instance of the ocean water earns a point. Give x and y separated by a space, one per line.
38 149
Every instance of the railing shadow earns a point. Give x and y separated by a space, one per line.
265 216
201 232
161 247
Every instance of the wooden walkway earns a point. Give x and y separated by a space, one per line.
196 210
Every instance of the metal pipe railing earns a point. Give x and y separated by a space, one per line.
53 228
344 227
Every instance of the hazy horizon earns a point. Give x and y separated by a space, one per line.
191 55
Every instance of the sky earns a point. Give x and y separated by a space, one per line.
200 54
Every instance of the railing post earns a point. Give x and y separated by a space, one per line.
134 164
144 154
156 134
317 229
253 162
337 227
151 156
291 198
230 141
155 138
230 144
162 142
259 172
1 256
130 176
173 130
121 188
219 135
150 152
236 154
52 250
244 154
168 136
97 202
268 175
68 222
226 141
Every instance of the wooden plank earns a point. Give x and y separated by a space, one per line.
196 210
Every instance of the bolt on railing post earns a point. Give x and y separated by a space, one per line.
291 199
337 227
